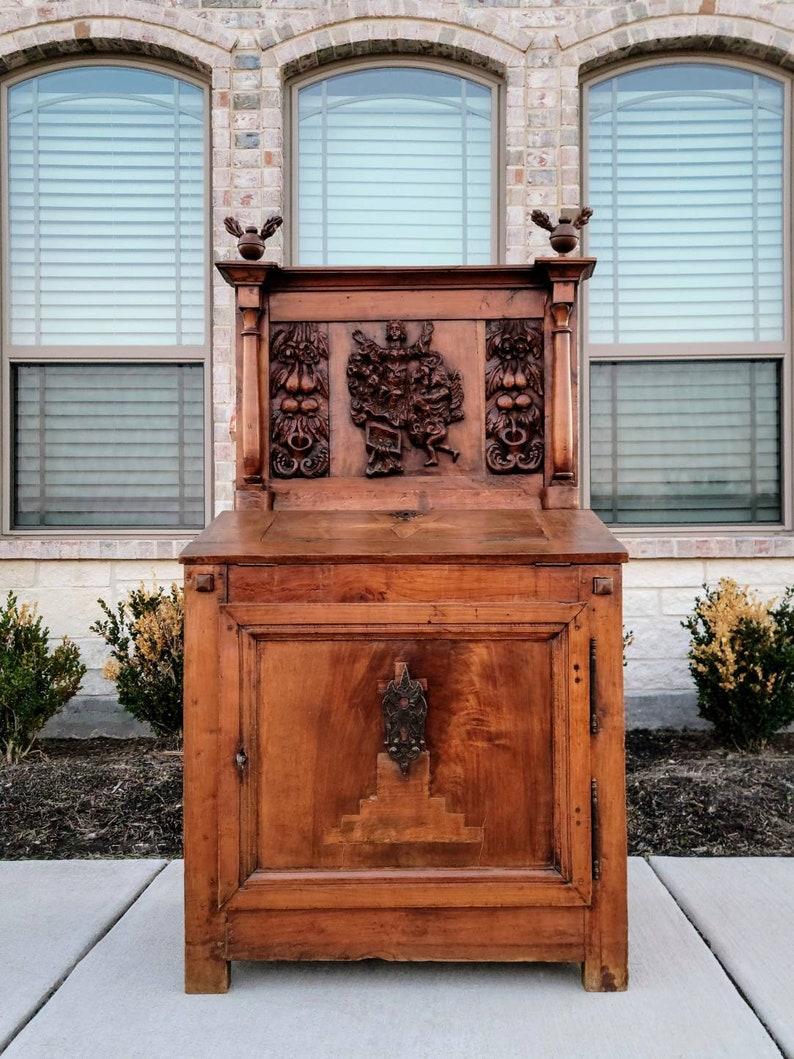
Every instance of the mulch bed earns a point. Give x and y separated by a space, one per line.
123 798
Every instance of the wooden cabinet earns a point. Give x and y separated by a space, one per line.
403 725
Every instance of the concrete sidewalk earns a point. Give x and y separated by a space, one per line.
711 965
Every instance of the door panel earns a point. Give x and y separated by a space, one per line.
503 783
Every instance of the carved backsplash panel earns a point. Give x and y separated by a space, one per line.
379 398
514 387
299 417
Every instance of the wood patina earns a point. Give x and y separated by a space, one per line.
403 685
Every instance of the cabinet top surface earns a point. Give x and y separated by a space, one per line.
495 536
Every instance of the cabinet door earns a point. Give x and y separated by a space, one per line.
484 784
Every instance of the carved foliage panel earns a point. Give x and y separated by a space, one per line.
299 415
514 395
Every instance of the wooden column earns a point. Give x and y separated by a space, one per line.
251 282
249 423
562 384
564 276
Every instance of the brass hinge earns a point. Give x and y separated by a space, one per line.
595 843
593 694
241 760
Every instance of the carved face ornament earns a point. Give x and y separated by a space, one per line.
514 390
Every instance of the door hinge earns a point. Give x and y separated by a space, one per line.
241 760
595 839
593 693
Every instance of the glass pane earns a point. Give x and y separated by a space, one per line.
685 441
685 167
394 167
106 208
108 445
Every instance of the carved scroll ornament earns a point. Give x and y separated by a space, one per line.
404 713
398 387
299 401
514 396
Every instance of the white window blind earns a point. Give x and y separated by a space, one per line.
106 208
100 445
686 174
395 167
685 441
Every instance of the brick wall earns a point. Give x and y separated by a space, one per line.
247 50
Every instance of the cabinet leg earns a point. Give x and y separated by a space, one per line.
604 978
206 973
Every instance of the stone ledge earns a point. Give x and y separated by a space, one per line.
96 548
771 546
717 546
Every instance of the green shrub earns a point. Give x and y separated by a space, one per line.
34 681
741 657
146 637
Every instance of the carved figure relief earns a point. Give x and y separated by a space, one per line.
396 388
404 713
299 401
514 396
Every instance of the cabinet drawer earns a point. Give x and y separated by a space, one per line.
494 790
401 582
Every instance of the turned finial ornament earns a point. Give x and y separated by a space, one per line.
564 235
250 240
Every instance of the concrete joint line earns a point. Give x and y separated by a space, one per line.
91 945
725 970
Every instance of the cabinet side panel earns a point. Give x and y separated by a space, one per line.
206 969
605 966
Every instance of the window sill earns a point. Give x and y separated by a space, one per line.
709 545
57 547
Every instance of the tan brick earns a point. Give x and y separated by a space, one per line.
68 574
16 574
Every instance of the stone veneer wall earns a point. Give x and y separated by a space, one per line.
247 50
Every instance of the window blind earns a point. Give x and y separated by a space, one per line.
106 208
685 174
685 441
100 445
394 167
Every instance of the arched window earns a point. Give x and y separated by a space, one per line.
105 285
687 327
394 164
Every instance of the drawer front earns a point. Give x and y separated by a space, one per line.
399 745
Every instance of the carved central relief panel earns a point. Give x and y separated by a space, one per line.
402 389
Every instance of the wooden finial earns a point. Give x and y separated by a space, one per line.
564 235
250 241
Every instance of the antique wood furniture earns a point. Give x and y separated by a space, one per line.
403 683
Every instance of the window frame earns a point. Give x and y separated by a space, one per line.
11 355
698 351
457 69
